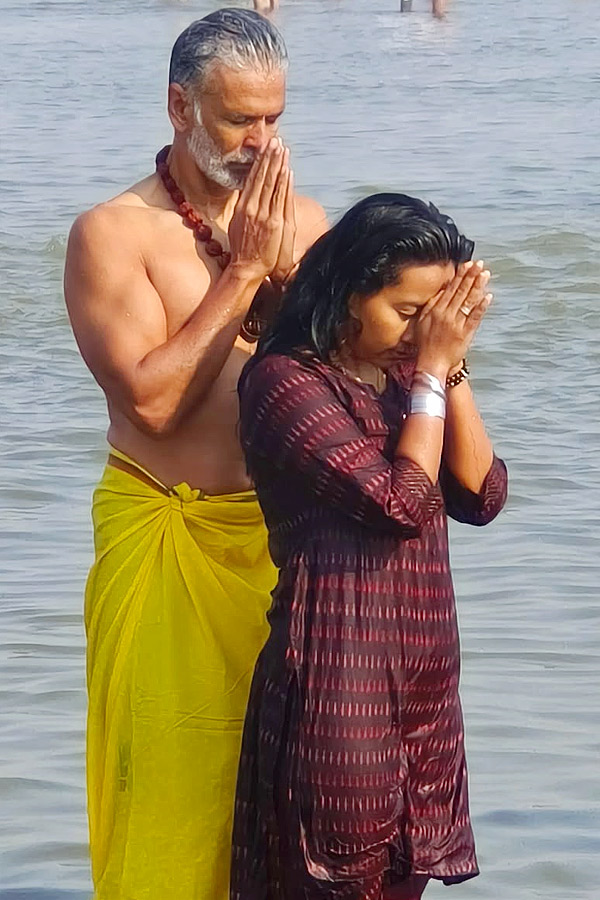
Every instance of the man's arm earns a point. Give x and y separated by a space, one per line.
118 318
120 326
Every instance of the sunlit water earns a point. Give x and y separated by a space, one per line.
493 114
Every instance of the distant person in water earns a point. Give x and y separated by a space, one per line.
265 6
438 7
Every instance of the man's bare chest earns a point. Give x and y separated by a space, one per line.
180 272
182 276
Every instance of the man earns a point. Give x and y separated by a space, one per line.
176 600
438 7
266 6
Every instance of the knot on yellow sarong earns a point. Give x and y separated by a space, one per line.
183 493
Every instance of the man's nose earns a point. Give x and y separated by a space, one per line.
257 136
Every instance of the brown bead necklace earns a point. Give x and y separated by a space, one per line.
254 323
202 231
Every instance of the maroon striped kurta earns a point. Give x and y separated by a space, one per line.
352 772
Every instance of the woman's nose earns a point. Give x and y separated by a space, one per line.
407 337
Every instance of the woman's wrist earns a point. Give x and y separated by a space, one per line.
458 374
435 367
427 395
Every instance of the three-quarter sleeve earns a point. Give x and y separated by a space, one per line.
471 508
292 417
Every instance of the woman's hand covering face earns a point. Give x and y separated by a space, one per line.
447 324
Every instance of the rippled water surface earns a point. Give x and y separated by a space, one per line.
494 115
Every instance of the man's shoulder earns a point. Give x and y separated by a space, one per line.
311 223
119 221
310 213
107 243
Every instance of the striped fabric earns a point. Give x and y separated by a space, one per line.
352 773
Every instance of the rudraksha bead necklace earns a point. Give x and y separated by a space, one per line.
202 231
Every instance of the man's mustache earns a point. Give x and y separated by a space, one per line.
247 159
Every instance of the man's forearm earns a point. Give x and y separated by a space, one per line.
173 378
468 451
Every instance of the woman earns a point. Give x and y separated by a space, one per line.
361 434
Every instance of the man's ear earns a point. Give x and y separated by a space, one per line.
179 107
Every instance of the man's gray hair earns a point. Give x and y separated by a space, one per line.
239 38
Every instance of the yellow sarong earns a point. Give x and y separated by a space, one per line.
175 618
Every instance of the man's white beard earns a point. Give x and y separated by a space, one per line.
214 164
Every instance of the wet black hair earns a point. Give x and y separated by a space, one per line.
363 253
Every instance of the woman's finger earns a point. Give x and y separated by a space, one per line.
473 321
447 296
474 297
439 301
462 293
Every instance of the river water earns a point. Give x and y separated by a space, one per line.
493 114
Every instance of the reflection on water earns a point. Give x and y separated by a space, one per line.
489 114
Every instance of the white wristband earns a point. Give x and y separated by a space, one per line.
428 403
428 381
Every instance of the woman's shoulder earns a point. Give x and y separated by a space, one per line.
276 367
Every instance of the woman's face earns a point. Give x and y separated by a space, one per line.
387 319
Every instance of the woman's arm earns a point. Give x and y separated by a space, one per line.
443 333
293 421
473 480
468 451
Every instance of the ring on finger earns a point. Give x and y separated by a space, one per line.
465 310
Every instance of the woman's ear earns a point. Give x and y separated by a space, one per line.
353 307
353 326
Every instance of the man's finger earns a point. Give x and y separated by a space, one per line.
289 221
253 187
290 204
250 181
281 188
286 261
271 179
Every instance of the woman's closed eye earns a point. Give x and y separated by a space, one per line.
407 312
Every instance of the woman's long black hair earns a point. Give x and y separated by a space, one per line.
365 252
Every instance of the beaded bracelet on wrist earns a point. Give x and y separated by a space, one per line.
458 377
